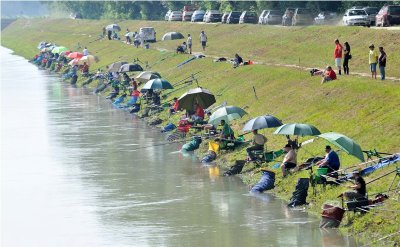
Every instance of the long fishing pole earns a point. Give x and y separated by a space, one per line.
183 80
160 144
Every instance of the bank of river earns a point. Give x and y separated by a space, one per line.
70 177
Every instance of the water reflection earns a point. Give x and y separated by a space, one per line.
72 175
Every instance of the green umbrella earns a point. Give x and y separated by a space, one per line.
344 143
157 83
227 113
59 49
297 129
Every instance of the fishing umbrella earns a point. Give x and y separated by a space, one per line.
75 55
114 67
344 143
172 36
262 122
113 27
297 129
227 113
145 76
59 49
89 60
157 83
130 67
197 95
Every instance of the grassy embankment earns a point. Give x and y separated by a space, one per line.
364 109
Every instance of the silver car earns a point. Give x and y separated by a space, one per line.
175 16
371 12
356 17
273 17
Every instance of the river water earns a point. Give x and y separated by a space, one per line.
70 176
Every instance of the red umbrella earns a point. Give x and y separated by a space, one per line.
75 55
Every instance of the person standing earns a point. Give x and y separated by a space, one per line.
189 43
203 40
373 60
337 54
382 62
85 51
346 58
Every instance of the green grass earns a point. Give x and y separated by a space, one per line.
364 109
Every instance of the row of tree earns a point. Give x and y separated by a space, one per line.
155 10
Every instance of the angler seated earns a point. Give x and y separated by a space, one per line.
181 48
331 161
257 147
85 69
199 113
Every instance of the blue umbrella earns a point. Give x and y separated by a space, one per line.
157 83
262 122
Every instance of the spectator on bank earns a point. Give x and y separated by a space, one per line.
373 60
337 54
189 43
382 62
346 58
328 75
203 40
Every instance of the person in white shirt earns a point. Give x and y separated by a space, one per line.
137 40
203 40
85 51
189 43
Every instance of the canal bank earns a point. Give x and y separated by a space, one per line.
69 175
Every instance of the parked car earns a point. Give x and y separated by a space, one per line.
248 17
356 17
148 34
371 12
224 17
287 17
212 16
273 17
325 17
167 15
175 16
187 15
388 15
357 7
198 15
302 17
233 17
261 17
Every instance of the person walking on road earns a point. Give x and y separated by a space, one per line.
373 60
203 40
382 62
346 58
189 43
337 54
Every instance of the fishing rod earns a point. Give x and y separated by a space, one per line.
160 144
183 80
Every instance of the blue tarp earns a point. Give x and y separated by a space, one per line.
267 182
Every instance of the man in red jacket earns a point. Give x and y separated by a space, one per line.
337 54
329 75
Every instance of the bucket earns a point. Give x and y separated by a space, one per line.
332 212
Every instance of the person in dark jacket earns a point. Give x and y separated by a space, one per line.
347 57
237 61
382 62
359 188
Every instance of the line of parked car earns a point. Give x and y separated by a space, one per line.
357 15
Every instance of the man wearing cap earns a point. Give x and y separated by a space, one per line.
258 144
373 60
331 160
290 159
359 188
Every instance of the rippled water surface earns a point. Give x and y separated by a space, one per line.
70 176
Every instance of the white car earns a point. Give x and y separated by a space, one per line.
356 17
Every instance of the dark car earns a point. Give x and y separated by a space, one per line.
388 15
233 17
248 17
224 17
288 16
372 12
